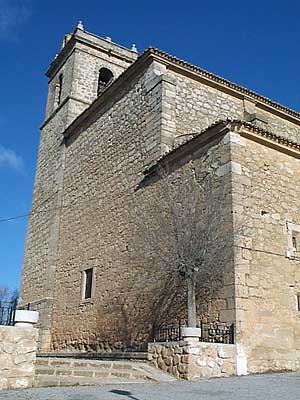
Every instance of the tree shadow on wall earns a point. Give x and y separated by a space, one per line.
134 313
175 223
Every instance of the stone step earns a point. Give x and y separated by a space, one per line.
57 381
71 372
113 356
75 363
92 373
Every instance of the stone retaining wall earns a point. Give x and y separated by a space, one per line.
17 356
194 360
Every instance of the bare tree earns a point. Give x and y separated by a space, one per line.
7 295
4 294
14 296
8 302
175 230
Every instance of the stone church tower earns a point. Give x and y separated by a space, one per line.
85 65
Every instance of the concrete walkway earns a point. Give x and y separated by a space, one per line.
255 387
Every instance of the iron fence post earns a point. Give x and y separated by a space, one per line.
231 334
179 328
153 332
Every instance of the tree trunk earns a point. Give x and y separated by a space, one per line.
191 302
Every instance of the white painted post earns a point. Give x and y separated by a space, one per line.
26 318
241 361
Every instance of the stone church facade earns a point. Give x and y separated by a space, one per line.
113 121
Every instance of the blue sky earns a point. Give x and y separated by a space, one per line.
255 44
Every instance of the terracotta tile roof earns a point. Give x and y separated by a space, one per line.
224 82
267 134
230 124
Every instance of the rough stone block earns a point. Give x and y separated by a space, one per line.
16 361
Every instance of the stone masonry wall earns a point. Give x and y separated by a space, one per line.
194 360
99 230
17 356
38 274
198 105
39 265
191 106
102 168
210 227
80 76
265 197
66 89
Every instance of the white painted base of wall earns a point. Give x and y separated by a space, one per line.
241 361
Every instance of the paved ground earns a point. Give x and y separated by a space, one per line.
255 387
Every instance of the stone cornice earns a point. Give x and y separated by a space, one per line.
61 58
83 38
60 106
266 138
233 88
221 127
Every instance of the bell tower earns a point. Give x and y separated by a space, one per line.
84 67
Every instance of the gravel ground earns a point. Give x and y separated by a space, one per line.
255 387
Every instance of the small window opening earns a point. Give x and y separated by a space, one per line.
58 91
60 83
298 302
294 241
88 283
105 79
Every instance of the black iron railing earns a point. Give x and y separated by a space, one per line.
217 332
214 332
7 312
167 332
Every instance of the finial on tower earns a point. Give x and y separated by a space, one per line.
133 48
80 26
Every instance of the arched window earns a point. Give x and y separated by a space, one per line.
58 91
60 83
105 79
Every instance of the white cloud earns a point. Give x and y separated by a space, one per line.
10 159
13 14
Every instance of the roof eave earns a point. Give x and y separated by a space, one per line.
219 128
230 87
172 62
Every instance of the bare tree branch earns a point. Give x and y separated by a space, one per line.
173 229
